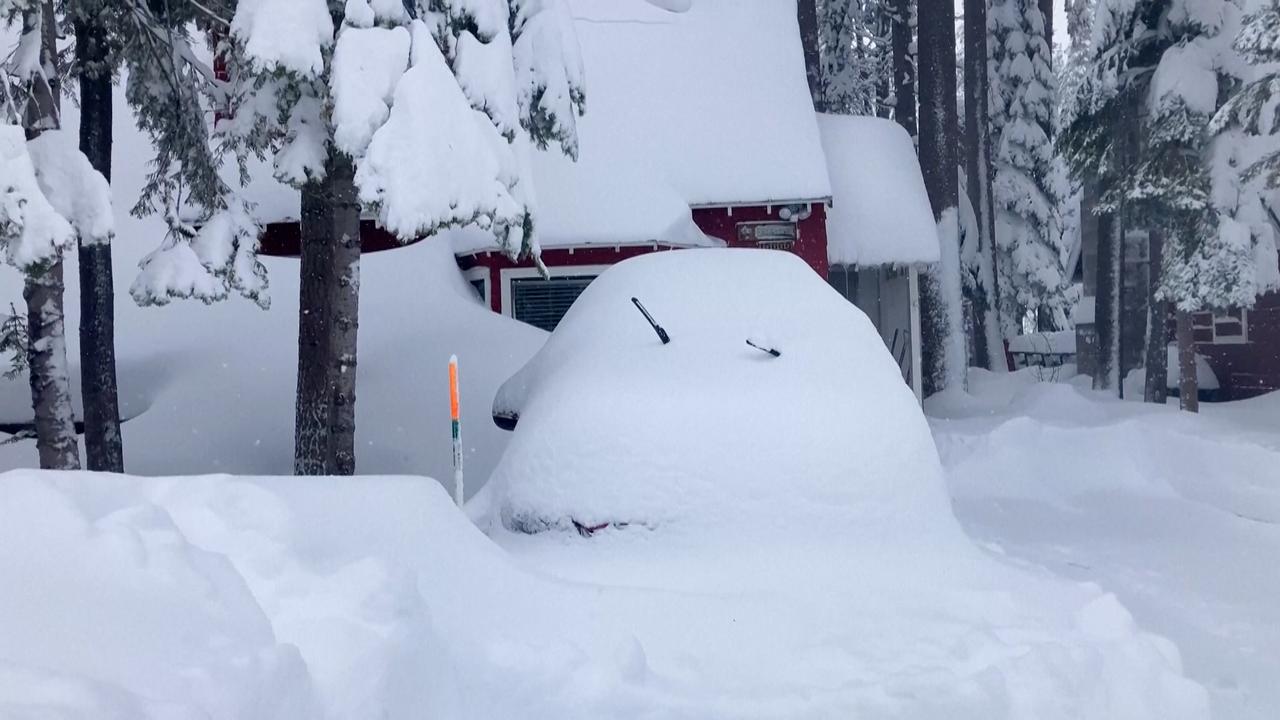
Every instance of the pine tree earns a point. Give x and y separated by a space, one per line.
1031 255
902 50
419 114
1178 60
1251 110
1099 129
854 43
98 44
942 326
979 251
49 196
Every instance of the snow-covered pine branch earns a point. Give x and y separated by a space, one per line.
1254 110
856 62
211 245
32 230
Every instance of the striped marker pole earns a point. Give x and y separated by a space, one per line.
457 430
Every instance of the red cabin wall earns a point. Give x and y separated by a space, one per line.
496 262
721 223
1250 368
811 240
284 239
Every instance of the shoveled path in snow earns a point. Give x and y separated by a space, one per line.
1177 515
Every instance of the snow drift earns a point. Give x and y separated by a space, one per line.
795 506
226 598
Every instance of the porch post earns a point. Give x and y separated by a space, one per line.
913 289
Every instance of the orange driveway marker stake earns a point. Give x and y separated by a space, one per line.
457 430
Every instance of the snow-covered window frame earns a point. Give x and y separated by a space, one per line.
478 278
507 275
1220 326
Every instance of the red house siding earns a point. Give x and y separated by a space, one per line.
718 222
811 240
284 239
1250 368
495 262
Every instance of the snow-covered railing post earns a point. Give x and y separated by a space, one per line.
457 430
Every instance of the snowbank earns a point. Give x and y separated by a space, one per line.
1178 514
711 469
231 598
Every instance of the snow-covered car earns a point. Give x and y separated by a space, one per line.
789 505
617 426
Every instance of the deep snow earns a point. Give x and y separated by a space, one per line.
846 590
1178 515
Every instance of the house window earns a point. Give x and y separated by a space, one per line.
478 279
542 302
1223 327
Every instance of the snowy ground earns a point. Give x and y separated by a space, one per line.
1177 515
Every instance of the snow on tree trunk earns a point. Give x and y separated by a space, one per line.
1188 382
43 286
103 445
904 64
988 347
1156 362
315 391
344 308
1107 301
942 325
47 367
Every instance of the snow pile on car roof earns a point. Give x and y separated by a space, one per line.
616 427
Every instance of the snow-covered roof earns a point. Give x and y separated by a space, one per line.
704 106
880 212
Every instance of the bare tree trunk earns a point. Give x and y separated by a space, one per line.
1157 353
807 16
943 344
311 420
1188 382
344 304
43 288
904 65
103 445
989 349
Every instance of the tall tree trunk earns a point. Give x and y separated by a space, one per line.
1106 317
43 287
344 304
102 442
988 345
1156 389
807 16
1188 382
315 392
47 359
1046 9
902 37
942 327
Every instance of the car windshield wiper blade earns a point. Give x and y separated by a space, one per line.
662 334
772 351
